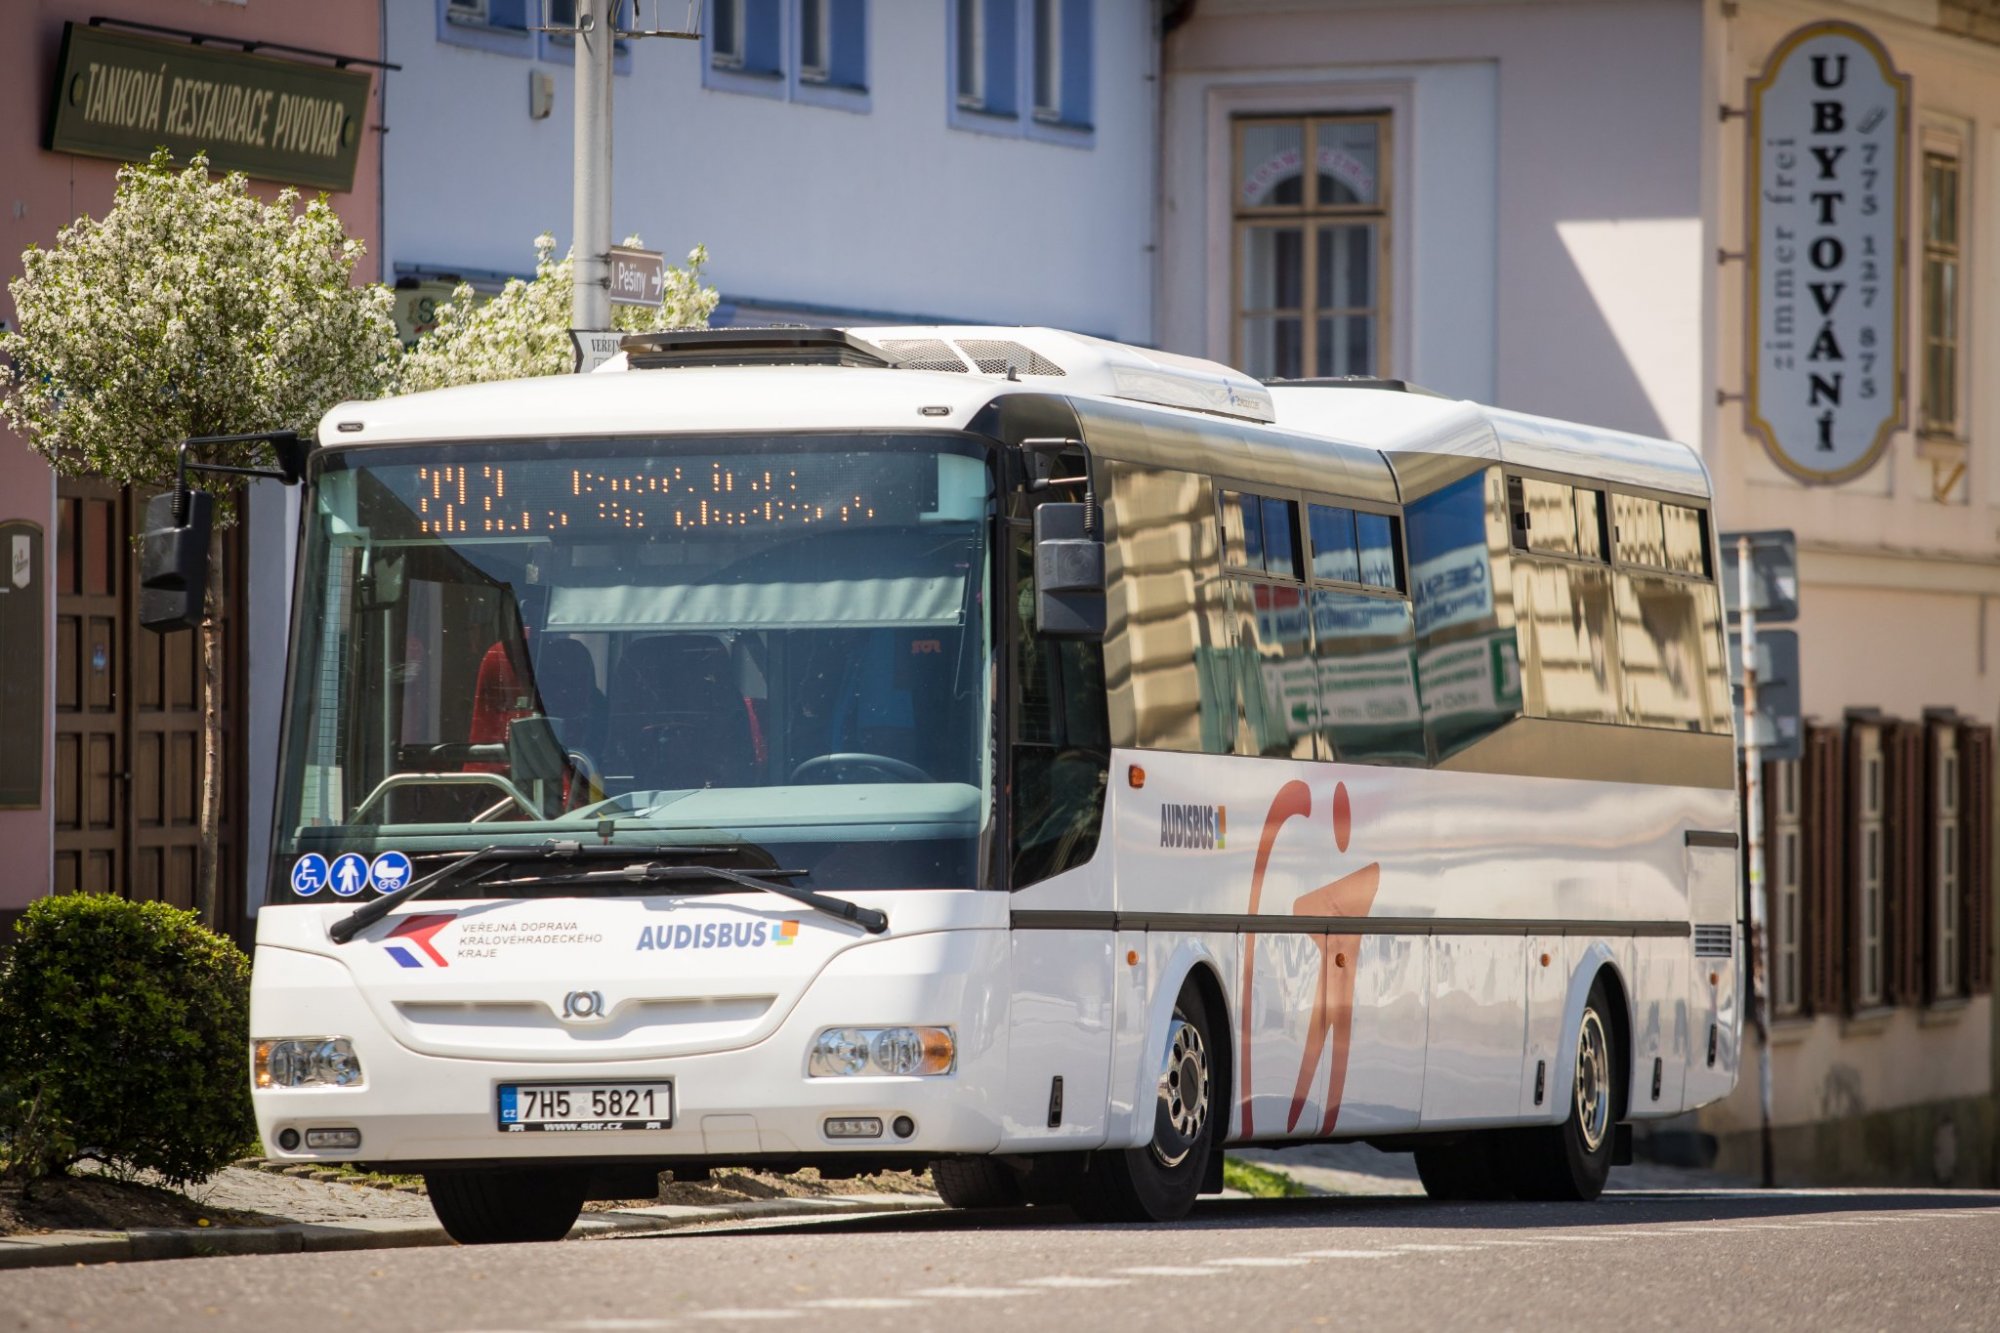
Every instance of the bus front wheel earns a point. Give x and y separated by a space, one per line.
498 1207
976 1182
1572 1161
1159 1182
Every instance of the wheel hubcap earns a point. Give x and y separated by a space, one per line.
1183 1113
1593 1080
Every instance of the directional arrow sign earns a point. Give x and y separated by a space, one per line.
594 347
638 277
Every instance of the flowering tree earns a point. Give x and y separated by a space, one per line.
524 331
191 308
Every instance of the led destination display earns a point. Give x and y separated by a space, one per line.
743 492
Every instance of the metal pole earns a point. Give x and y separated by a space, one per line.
1753 800
590 239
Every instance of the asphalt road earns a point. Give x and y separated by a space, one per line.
1695 1260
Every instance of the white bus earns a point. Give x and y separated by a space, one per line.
1002 750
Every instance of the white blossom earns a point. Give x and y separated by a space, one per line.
191 308
524 331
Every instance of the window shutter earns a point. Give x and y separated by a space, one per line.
1975 811
1906 885
850 43
1823 892
1853 947
1773 906
1077 52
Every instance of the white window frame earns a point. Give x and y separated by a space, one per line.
1870 980
818 15
1942 141
719 56
1046 51
969 55
1788 981
1947 833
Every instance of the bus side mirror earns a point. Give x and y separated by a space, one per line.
173 561
1069 574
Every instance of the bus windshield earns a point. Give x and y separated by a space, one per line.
772 644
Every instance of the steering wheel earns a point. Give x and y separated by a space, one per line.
881 763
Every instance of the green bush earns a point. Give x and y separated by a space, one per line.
124 1038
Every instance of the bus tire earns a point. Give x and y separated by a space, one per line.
976 1182
1464 1171
500 1207
1570 1162
1159 1182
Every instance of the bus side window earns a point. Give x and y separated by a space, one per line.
1468 666
1368 707
1060 740
1668 614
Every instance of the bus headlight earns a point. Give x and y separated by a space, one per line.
838 1052
306 1062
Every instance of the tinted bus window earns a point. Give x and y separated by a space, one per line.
1377 538
1468 672
1333 552
1368 706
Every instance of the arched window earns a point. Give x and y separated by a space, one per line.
1311 245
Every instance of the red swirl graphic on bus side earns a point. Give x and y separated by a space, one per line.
1339 955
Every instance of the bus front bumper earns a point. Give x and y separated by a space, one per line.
752 1102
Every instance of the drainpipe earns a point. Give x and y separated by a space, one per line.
1173 13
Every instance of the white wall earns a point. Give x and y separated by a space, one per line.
1548 244
891 211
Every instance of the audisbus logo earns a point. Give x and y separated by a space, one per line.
1198 827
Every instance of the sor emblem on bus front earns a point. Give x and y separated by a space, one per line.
583 1005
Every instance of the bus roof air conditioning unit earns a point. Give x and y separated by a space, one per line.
1355 382
772 346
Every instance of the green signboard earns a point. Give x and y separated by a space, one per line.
121 95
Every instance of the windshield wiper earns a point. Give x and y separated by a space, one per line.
458 872
766 881
366 915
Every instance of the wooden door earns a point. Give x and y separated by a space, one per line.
90 660
128 718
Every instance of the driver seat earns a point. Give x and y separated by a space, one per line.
679 719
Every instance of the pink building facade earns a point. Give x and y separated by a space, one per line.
96 780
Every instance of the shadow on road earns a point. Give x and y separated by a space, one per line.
1614 1210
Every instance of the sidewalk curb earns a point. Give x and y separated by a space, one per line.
68 1248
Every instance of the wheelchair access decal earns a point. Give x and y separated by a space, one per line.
309 874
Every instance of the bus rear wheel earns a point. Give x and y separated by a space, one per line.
500 1207
1572 1161
1464 1171
1159 1182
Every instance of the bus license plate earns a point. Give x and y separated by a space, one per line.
581 1108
